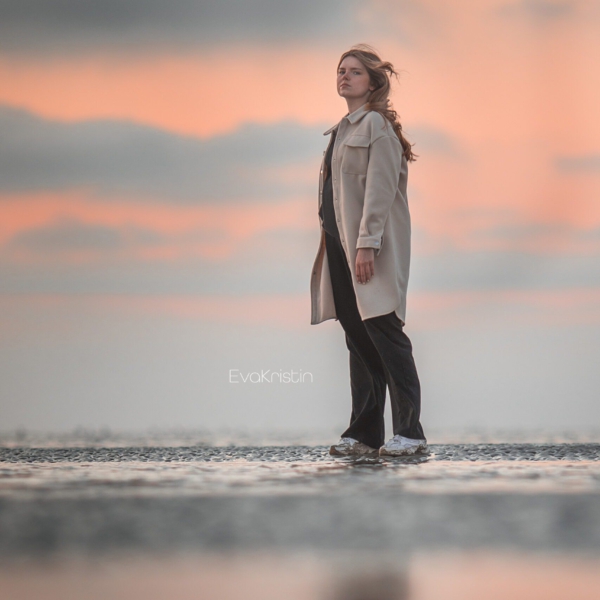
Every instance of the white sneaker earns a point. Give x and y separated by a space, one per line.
350 447
403 446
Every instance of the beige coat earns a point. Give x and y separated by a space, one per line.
369 197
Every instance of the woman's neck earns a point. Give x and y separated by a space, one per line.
354 105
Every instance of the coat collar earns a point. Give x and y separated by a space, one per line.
354 117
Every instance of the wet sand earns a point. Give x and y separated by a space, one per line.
217 521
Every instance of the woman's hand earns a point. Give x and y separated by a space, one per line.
365 264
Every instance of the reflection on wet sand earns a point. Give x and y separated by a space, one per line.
244 477
432 576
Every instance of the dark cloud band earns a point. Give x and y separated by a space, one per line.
68 26
120 158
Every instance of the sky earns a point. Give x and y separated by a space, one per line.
158 210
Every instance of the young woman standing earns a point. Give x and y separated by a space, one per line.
360 274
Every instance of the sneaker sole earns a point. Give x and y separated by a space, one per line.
419 452
333 451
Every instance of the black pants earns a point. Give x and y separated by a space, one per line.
380 354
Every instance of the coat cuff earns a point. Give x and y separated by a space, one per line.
371 241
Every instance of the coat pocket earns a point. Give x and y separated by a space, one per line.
355 157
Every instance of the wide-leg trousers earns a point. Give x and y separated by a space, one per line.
380 354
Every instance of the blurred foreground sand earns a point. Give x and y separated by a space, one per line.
159 515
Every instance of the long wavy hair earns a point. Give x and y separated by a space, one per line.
380 73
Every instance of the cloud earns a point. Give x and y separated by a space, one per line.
455 270
539 11
515 232
69 235
270 262
554 238
586 163
434 141
125 159
112 260
39 27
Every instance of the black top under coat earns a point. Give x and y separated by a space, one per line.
327 212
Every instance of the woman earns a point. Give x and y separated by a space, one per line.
360 274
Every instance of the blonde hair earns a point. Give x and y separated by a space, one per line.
380 76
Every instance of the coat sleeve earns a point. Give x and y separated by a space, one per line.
381 187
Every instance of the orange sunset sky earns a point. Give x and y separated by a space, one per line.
159 169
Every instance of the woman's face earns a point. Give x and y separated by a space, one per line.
352 78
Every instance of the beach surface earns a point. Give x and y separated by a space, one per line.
291 520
